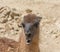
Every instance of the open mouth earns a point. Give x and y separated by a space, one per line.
28 41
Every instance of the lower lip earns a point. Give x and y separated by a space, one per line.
27 43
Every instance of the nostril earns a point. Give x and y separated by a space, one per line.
29 35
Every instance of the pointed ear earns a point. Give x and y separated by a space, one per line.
20 25
39 18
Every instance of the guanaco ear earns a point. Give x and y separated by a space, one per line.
20 25
37 20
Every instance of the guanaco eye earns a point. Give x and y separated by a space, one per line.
23 24
36 24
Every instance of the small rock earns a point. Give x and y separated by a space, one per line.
28 10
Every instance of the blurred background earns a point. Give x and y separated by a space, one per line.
49 10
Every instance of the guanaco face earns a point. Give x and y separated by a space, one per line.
30 25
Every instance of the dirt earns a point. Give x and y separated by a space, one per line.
11 12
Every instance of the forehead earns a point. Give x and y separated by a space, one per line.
29 18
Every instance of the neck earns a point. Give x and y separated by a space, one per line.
33 47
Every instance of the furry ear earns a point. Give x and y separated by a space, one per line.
21 25
37 20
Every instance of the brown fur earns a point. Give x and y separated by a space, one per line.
34 46
29 18
8 45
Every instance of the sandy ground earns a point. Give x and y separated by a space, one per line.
49 10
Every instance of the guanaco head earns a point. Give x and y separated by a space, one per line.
30 24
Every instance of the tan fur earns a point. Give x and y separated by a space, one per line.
29 18
34 46
8 45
